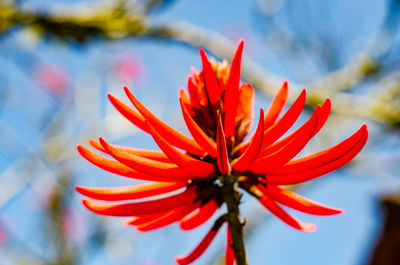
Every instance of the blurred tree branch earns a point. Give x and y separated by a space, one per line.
116 23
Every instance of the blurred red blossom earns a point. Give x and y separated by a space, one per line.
128 67
54 78
218 111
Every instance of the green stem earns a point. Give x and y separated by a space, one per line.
232 200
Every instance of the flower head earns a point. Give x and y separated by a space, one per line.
193 172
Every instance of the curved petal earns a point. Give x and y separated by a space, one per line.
168 218
303 176
296 201
129 113
231 98
145 165
198 134
210 79
201 247
242 163
222 152
152 154
276 210
277 105
285 122
196 90
264 165
119 168
130 192
229 253
141 208
199 216
194 96
321 158
323 113
193 166
143 219
173 136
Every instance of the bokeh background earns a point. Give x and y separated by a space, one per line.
60 58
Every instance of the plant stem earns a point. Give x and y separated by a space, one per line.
232 200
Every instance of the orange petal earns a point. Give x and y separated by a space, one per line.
141 208
152 154
194 96
170 134
143 219
242 163
244 112
323 113
276 210
277 105
184 96
285 122
167 219
296 201
199 216
200 248
193 166
321 158
157 168
279 128
130 192
231 98
129 113
119 168
303 176
222 152
198 134
229 253
325 110
264 165
210 79
197 92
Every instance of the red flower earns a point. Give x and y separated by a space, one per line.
218 112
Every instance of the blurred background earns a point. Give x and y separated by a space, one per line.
60 58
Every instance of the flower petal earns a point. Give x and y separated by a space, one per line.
285 122
201 247
152 154
168 218
193 93
133 116
229 253
263 165
119 168
199 216
173 136
198 134
196 90
276 106
303 176
143 219
152 167
321 158
325 110
231 98
193 166
141 208
210 79
276 210
222 152
130 192
296 201
242 163
322 112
